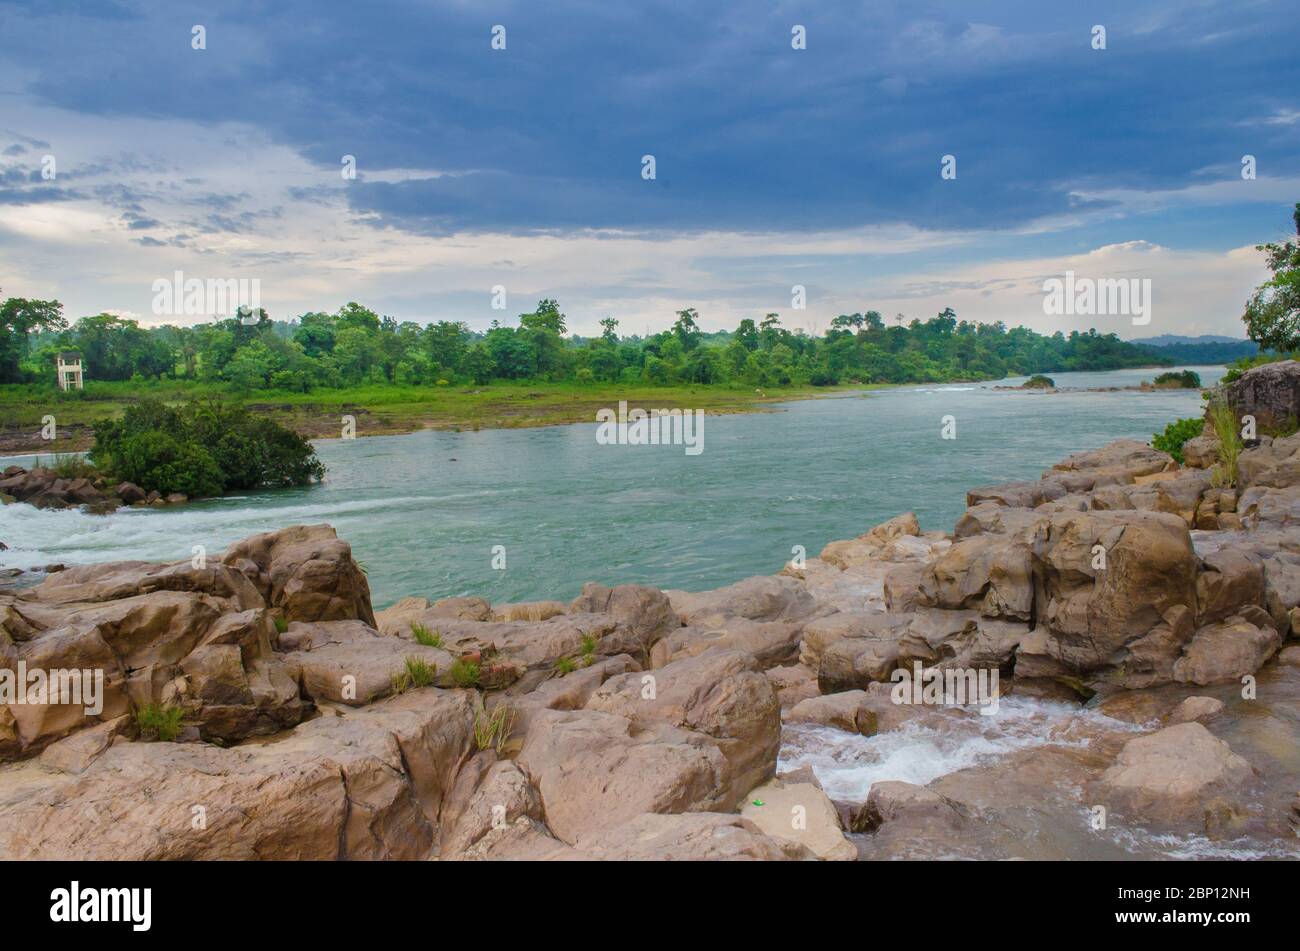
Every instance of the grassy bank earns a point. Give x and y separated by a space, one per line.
378 409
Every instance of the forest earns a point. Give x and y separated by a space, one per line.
355 346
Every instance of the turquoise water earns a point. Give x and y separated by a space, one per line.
424 511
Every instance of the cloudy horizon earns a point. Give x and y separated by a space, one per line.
775 167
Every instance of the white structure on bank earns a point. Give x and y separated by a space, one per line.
70 376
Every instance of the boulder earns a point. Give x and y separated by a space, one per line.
1270 393
793 684
307 572
1196 710
1173 773
488 794
911 811
722 695
770 642
351 663
596 770
1124 623
1201 452
990 572
872 545
1228 650
335 788
644 610
843 711
773 598
801 814
129 492
1229 579
1023 495
528 611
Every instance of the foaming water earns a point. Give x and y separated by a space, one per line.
848 764
426 512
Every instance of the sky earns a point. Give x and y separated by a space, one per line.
524 168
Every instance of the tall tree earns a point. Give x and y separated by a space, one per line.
20 316
1272 314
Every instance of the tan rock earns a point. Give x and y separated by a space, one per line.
843 711
1196 710
723 695
802 814
689 837
1172 773
306 571
775 598
1228 650
644 610
597 770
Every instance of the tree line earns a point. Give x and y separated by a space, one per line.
356 346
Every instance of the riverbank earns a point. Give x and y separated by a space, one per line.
382 410
386 410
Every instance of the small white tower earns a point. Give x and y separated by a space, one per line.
70 376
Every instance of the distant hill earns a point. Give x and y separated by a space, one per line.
1169 340
1204 350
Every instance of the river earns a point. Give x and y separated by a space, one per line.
424 511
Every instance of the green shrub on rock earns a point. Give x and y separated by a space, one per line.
203 448
1177 433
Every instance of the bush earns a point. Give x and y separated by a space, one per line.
201 449
1177 433
1188 380
1038 381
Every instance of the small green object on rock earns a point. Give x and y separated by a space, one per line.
758 802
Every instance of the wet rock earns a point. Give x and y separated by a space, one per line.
843 711
1196 710
924 813
129 492
1172 773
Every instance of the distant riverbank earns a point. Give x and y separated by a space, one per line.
389 410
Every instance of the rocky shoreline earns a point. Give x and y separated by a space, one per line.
1156 612
647 723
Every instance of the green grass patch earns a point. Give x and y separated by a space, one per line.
424 636
158 722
